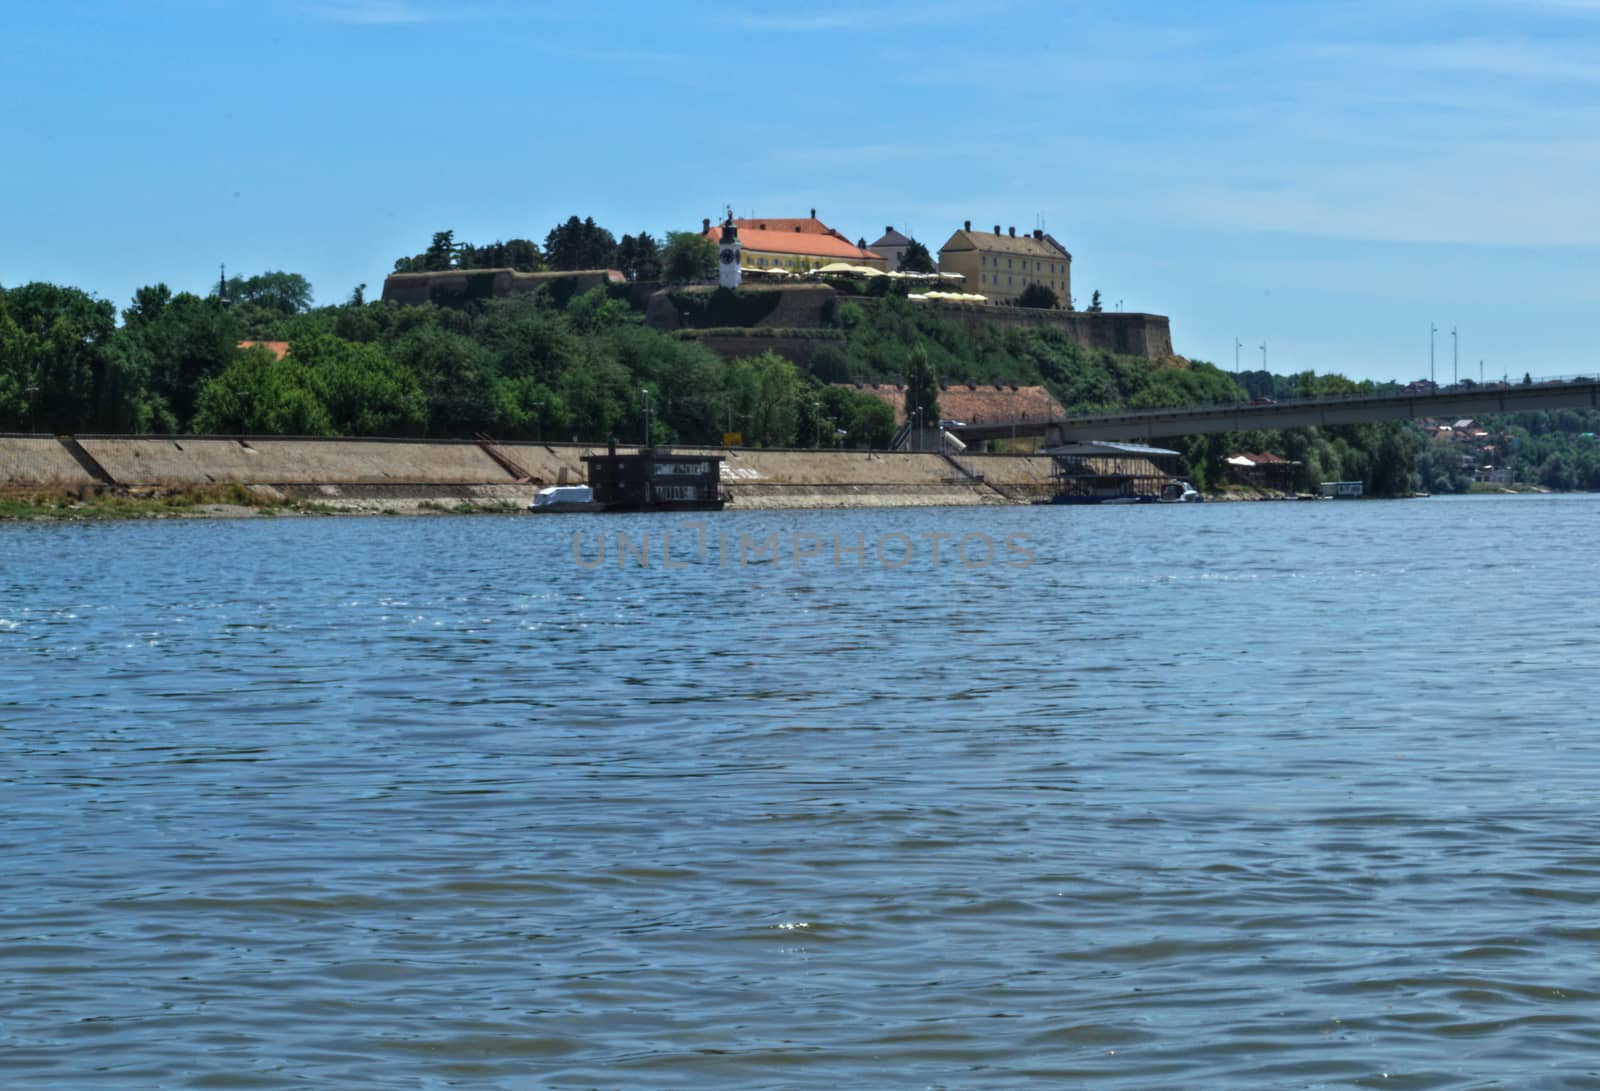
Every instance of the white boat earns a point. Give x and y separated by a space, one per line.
1180 492
556 498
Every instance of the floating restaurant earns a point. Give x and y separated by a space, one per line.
1115 473
647 480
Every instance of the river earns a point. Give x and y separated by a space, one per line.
1223 795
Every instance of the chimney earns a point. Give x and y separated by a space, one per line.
813 213
1013 232
1038 233
997 229
888 229
967 226
705 224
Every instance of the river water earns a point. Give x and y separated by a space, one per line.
1253 795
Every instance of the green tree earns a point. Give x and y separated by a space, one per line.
687 257
639 258
261 395
871 423
916 259
441 252
1095 306
456 377
70 335
1040 296
766 390
279 292
190 341
580 244
922 389
18 355
364 392
525 408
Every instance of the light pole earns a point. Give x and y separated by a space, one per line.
1432 329
1237 345
1263 356
33 409
1455 358
644 393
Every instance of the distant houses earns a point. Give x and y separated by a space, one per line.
891 247
1000 265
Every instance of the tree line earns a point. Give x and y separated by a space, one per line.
525 367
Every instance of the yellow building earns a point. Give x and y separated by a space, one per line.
794 245
1000 265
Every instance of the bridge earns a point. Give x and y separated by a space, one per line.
1452 403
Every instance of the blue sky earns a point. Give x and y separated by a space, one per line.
1326 178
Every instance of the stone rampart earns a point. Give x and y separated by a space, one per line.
1125 333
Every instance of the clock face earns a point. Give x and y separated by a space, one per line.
727 257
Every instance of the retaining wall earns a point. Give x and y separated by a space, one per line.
265 461
35 462
421 470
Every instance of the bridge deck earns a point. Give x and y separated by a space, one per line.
1582 392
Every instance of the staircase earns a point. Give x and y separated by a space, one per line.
487 445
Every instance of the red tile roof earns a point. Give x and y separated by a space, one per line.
980 404
791 236
279 349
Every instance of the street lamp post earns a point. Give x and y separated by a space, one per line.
644 393
1263 356
1237 345
1432 329
1455 358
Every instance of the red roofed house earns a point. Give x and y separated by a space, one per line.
279 349
1264 470
794 245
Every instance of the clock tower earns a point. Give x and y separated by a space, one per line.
728 254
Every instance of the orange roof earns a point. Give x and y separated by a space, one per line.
794 236
279 349
808 226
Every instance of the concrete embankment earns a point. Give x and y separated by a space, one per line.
402 474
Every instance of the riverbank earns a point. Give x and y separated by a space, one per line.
123 476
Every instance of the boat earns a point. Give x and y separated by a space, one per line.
1179 492
554 499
